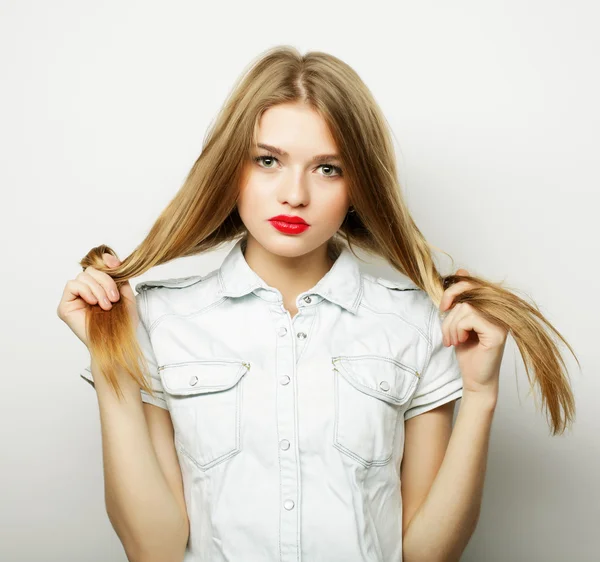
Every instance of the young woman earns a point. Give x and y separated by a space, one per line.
288 406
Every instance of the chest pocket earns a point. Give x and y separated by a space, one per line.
370 391
205 402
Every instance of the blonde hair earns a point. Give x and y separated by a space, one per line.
203 215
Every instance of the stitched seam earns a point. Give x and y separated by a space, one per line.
203 361
144 310
395 314
386 397
375 539
429 339
375 356
173 283
167 315
228 454
375 282
220 280
357 300
342 448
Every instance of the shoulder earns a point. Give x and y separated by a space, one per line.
171 283
398 296
177 295
401 283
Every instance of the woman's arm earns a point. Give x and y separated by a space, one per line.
442 527
140 504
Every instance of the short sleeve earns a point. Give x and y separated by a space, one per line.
146 346
441 379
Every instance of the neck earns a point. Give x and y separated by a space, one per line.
290 275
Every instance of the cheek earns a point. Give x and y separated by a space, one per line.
245 180
250 198
338 204
330 211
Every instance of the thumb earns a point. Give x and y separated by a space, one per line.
111 260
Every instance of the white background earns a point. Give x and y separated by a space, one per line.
494 108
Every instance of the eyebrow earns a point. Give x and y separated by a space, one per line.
318 159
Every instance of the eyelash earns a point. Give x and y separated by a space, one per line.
337 169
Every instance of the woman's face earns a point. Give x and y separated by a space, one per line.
283 179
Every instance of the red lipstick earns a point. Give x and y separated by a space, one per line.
289 224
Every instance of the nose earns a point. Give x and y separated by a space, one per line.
293 190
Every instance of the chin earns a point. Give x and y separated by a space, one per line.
289 245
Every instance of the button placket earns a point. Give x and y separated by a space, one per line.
289 484
301 334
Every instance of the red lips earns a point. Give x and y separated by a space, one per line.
289 224
289 218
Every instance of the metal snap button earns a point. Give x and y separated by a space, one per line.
193 380
288 504
282 331
307 299
384 385
284 379
301 335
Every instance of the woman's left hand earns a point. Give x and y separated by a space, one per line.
479 344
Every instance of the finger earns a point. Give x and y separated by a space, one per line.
112 261
461 331
446 327
473 322
106 282
453 319
88 277
125 287
451 292
75 289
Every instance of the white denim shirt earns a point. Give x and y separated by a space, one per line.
290 431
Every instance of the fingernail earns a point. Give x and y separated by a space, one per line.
114 294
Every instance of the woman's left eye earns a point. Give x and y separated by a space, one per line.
337 169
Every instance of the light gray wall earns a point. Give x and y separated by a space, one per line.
104 105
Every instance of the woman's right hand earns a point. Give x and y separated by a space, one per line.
93 287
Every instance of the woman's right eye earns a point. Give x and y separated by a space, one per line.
263 158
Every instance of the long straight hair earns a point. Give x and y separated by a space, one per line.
203 215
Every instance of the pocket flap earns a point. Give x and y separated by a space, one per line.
203 376
382 377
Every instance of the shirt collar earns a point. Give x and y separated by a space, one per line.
342 284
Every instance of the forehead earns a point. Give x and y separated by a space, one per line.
295 127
